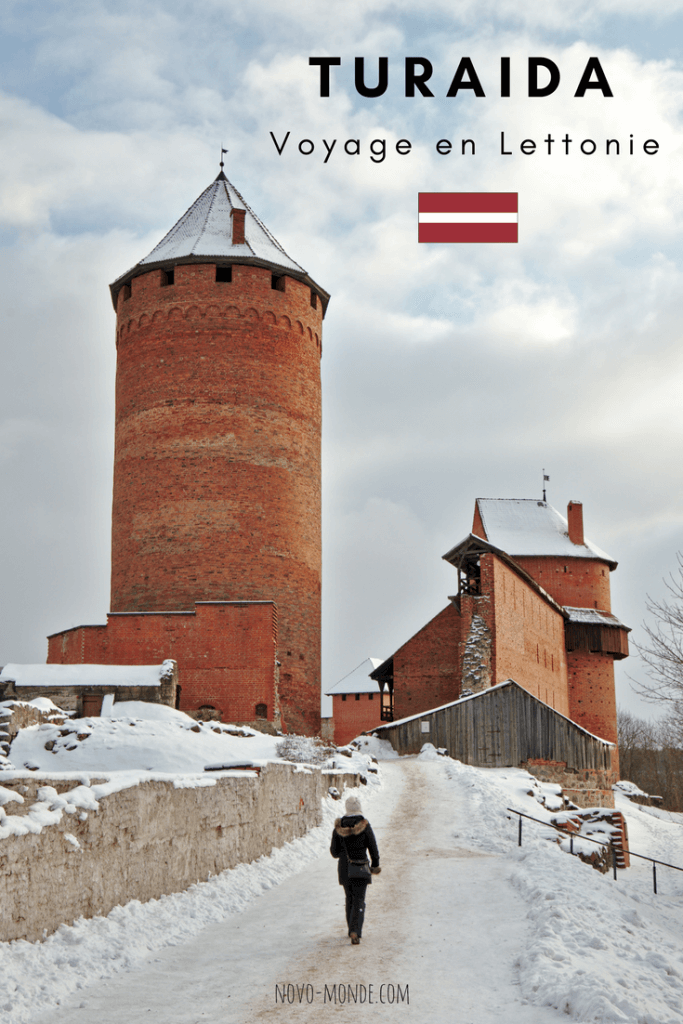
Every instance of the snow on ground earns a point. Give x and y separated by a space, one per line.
599 950
521 935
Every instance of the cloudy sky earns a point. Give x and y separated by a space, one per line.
449 372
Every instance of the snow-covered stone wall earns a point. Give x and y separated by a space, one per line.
88 848
19 714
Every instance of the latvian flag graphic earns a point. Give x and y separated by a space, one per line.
467 217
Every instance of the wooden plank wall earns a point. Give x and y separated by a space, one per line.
503 727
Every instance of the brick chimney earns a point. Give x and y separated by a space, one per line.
237 226
575 520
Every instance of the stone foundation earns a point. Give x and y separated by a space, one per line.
585 787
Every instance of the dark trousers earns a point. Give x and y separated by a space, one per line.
355 904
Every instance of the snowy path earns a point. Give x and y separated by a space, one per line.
442 921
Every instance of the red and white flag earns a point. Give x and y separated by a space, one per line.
467 217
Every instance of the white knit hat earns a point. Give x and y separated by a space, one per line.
353 805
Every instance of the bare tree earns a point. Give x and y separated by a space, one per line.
662 652
650 755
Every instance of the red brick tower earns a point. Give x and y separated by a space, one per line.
218 420
575 572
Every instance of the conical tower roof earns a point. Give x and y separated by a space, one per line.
204 235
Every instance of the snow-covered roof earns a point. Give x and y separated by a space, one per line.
204 232
592 617
357 681
86 675
525 526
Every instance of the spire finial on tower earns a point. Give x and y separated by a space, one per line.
221 174
546 479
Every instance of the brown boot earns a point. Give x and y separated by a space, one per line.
355 939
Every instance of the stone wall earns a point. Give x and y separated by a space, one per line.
586 787
16 715
146 841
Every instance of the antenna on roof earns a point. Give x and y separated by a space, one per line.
223 152
546 479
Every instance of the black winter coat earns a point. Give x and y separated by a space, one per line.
353 832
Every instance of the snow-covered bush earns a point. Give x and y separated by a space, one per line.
304 749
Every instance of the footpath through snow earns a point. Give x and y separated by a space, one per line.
461 927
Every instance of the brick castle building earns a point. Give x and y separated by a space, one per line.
533 605
356 703
216 530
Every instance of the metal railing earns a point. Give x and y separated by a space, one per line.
600 842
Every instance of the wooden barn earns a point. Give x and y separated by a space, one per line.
506 726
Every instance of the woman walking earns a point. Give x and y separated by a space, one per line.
352 837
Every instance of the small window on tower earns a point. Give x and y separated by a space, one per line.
224 274
167 277
126 292
277 283
357 696
370 696
343 696
261 710
314 299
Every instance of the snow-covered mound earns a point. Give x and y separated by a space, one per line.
375 747
149 737
140 736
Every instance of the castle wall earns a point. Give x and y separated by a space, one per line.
576 582
225 653
217 463
529 636
358 713
427 667
592 700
